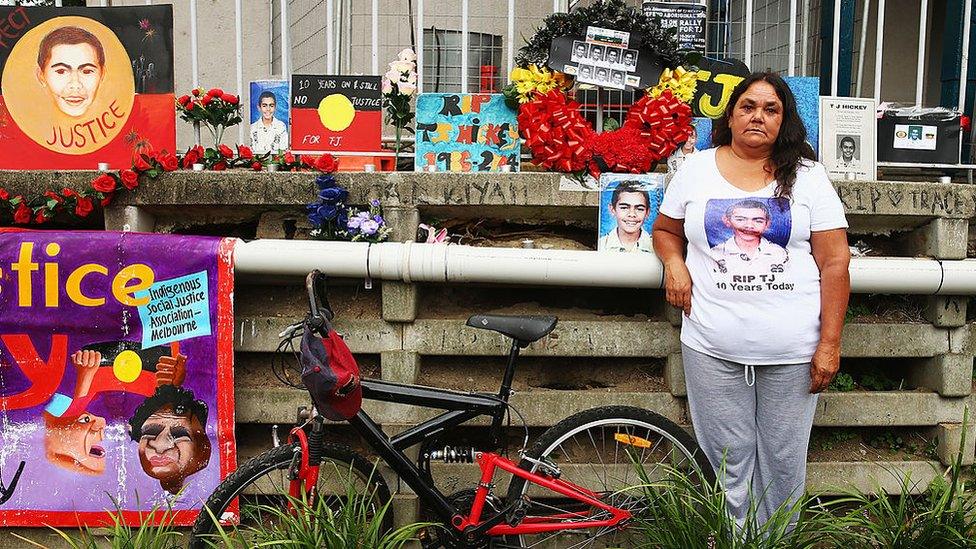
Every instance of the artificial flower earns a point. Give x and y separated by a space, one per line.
407 54
220 166
104 183
129 178
681 82
84 207
535 79
140 164
245 152
225 151
23 214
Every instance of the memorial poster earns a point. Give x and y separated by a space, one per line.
687 17
848 137
336 114
629 204
116 375
81 86
459 132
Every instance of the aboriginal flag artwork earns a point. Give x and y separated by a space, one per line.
335 114
82 86
116 375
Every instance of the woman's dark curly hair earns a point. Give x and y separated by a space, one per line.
791 147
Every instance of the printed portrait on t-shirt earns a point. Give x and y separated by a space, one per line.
748 238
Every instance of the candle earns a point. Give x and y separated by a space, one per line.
506 168
198 167
369 168
103 166
945 179
272 167
432 168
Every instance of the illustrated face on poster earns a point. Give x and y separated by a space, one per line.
89 87
269 116
629 204
466 133
113 390
336 113
748 239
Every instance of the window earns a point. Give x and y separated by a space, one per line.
442 61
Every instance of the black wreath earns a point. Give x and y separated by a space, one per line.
609 14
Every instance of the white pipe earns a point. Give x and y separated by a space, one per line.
865 13
285 42
239 45
194 62
420 46
410 262
879 56
920 66
329 37
835 52
791 70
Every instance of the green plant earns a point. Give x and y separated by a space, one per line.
835 437
843 382
350 520
887 440
155 531
878 381
855 310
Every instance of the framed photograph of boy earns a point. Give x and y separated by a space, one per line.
269 120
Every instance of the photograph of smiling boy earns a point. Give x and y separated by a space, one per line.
269 116
748 236
628 207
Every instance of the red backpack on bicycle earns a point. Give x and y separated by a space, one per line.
330 374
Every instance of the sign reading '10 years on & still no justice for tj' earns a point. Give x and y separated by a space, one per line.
336 113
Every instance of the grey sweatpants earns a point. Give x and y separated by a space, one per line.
760 422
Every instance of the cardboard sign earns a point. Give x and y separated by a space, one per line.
269 116
687 17
116 375
332 114
716 80
847 137
82 86
459 132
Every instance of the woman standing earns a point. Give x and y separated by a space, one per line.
764 289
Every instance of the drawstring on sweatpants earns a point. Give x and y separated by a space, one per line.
748 370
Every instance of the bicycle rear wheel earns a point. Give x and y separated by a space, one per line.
602 450
262 485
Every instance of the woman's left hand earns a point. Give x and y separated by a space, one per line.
824 366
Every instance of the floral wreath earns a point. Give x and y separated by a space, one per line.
551 124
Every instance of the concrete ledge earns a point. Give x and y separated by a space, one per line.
893 340
887 409
941 239
540 408
950 435
260 334
949 375
906 198
946 311
836 477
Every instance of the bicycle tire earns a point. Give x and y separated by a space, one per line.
554 445
277 460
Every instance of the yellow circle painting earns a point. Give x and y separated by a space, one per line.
336 112
68 85
127 366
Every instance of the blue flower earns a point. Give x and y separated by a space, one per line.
333 195
378 218
326 181
327 212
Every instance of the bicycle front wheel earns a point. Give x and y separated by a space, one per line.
262 485
613 451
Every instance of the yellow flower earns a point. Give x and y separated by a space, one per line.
681 82
536 79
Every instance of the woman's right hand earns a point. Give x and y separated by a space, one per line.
677 285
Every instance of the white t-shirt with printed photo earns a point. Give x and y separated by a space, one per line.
755 296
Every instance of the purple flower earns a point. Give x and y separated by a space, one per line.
356 221
369 227
375 203
378 219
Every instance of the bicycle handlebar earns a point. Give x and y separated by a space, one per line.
320 311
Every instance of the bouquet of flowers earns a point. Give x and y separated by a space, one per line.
399 85
368 225
332 220
215 109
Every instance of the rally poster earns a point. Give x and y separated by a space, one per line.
116 375
83 86
336 114
459 132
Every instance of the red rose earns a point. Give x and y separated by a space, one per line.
244 152
140 165
196 92
205 101
84 207
23 214
40 218
190 158
129 178
232 99
256 166
104 183
169 162
68 192
53 196
289 158
225 151
220 166
4 195
184 100
215 92
107 199
326 163
190 106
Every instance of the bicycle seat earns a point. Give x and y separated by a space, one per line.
523 329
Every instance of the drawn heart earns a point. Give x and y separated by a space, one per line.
562 140
895 197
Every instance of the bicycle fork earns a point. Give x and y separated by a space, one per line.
303 473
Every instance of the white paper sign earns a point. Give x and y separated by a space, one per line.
916 136
848 137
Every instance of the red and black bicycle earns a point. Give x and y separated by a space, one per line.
576 486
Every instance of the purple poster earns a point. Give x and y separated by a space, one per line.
116 374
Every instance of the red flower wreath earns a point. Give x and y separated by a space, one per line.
562 140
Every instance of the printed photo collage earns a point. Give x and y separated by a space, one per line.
604 65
